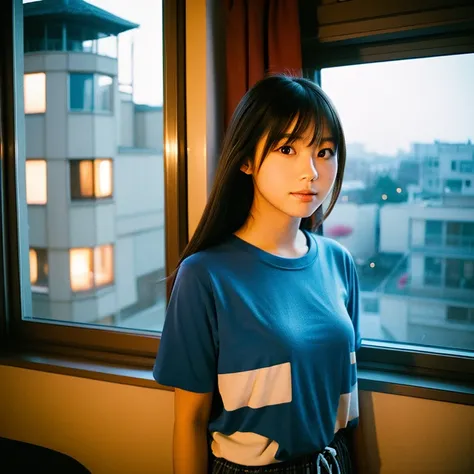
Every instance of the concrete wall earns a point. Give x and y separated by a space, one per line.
394 228
149 129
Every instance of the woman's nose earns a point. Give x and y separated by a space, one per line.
310 172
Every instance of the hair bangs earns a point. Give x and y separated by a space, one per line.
307 111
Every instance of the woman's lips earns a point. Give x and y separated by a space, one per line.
304 196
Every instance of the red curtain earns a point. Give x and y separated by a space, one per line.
262 36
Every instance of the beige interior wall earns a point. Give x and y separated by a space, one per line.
110 428
399 434
114 429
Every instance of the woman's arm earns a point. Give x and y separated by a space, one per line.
191 416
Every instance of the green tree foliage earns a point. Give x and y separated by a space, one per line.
385 190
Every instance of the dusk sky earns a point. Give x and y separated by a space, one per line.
385 106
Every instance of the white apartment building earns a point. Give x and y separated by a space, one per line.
446 168
429 296
94 174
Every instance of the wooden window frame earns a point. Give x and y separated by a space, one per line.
15 294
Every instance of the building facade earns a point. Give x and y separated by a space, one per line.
94 174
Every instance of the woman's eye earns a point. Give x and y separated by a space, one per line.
287 150
326 153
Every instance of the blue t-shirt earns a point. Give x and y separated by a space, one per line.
274 338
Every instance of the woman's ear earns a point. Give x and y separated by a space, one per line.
246 168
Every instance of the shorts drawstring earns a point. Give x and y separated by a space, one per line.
322 460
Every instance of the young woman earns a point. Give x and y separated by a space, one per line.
262 325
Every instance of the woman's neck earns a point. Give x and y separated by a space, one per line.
273 231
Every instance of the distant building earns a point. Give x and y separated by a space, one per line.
447 169
416 259
94 173
429 296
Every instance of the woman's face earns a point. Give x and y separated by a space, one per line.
294 178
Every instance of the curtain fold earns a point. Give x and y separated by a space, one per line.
262 36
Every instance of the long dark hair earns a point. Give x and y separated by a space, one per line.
270 107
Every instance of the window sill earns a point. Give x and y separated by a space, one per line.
116 372
429 388
140 374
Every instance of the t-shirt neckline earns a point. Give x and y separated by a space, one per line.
276 260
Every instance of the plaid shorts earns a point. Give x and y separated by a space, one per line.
334 459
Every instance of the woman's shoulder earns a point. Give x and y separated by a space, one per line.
333 249
205 260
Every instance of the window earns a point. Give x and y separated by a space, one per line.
91 268
453 233
63 168
91 179
433 232
103 93
35 93
460 314
467 166
36 182
90 92
425 232
39 270
452 186
433 271
54 37
103 265
460 234
460 273
81 91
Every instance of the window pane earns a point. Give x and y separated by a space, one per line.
81 91
414 248
105 170
82 179
35 93
39 270
433 269
103 178
91 179
103 93
104 265
434 232
81 269
54 36
457 314
36 182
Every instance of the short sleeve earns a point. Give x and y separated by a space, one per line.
353 302
187 355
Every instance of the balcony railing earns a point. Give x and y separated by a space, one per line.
433 288
449 244
101 45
